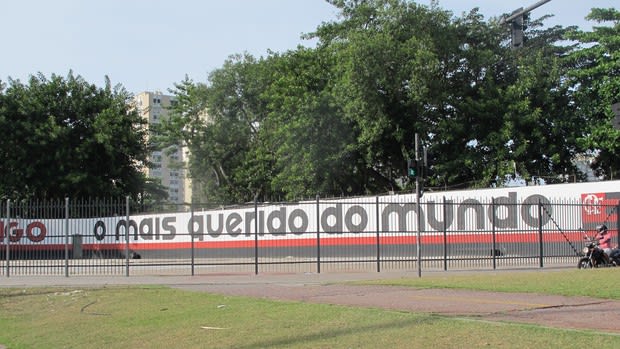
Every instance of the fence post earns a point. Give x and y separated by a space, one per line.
127 236
318 235
192 235
67 237
445 236
618 223
540 233
6 234
378 237
256 234
493 234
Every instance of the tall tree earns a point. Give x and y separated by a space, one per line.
220 122
66 137
387 75
340 119
595 82
478 106
516 104
312 144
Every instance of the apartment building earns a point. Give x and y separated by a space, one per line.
168 165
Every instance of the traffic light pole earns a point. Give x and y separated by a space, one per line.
418 210
520 12
516 21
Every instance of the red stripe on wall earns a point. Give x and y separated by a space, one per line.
385 239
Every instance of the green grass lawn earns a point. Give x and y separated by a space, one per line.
600 283
161 317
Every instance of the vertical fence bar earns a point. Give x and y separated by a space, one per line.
417 205
493 234
540 234
127 236
378 237
256 234
318 235
67 237
418 245
445 235
618 224
6 235
191 232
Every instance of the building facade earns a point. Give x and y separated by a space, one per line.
169 165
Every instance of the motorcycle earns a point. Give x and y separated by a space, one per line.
593 256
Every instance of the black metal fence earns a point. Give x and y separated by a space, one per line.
110 237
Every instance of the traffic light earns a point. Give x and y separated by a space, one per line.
516 32
412 168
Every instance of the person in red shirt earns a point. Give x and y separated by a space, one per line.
613 253
604 240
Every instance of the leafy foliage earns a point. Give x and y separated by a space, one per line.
65 137
309 138
340 119
595 80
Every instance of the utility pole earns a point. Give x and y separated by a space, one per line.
516 20
417 202
416 168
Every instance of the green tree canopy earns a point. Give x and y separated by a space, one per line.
310 141
595 82
340 118
219 122
66 137
479 107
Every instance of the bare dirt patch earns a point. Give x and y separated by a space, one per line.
581 313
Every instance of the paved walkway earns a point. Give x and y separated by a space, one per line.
579 313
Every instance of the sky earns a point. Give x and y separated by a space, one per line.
149 45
